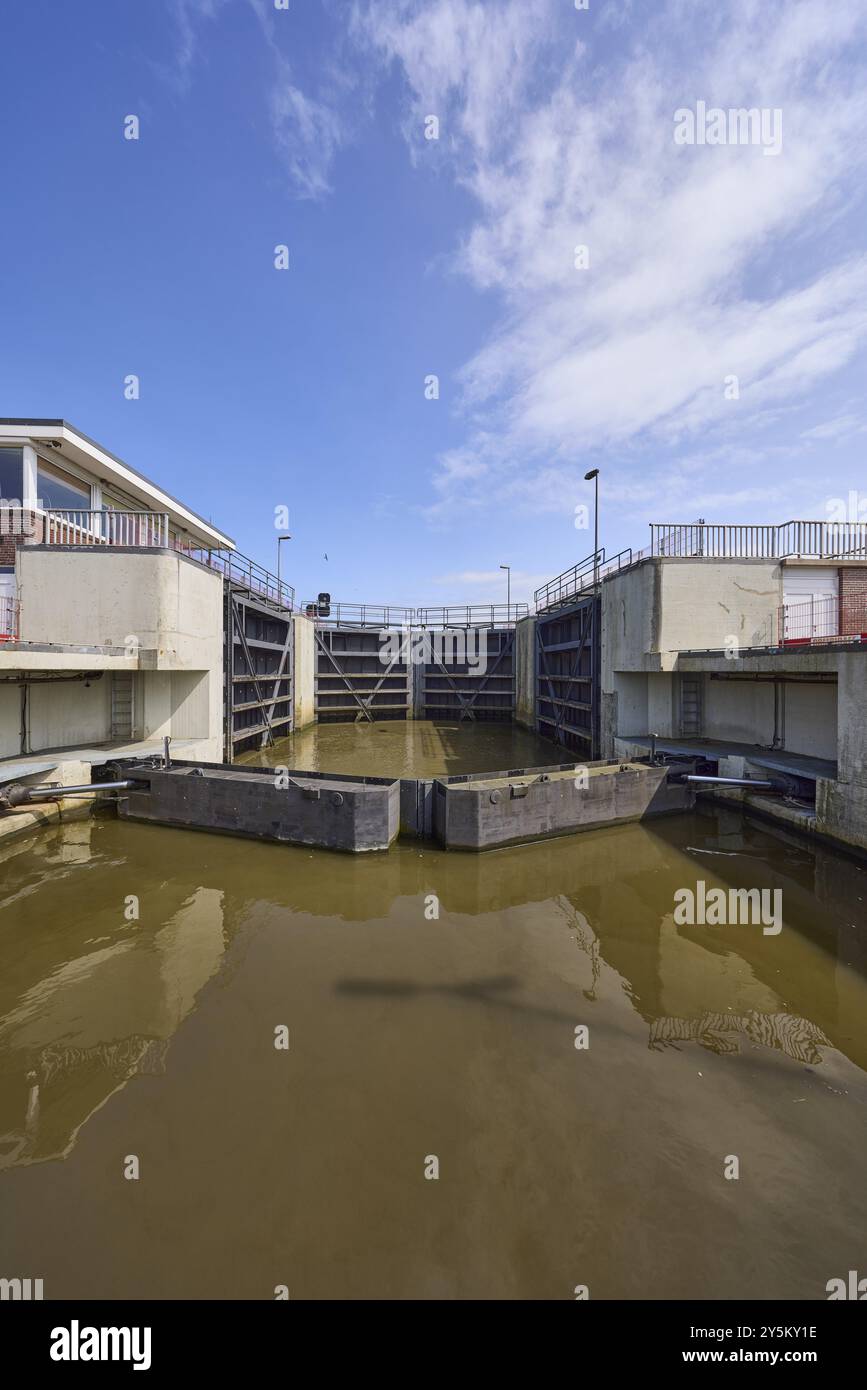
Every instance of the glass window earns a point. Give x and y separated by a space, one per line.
59 490
12 474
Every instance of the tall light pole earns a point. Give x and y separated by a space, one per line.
593 476
508 569
280 539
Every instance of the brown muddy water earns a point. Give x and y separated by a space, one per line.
411 1037
410 748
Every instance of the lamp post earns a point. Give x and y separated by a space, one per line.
508 569
280 540
593 476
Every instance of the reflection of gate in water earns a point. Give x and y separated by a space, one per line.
721 1033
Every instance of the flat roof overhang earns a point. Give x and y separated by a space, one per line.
92 457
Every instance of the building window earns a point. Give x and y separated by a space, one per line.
12 474
58 490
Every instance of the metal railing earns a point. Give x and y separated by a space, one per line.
9 614
582 577
818 621
240 570
151 530
566 585
379 615
472 615
85 527
791 539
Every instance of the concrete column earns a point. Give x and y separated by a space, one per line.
31 487
525 673
304 674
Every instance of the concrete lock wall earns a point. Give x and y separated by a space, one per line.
810 715
10 720
706 604
158 606
110 596
69 713
665 606
841 805
630 621
742 711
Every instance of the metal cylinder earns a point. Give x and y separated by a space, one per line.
750 782
18 795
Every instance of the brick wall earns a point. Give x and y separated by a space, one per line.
853 600
853 581
16 526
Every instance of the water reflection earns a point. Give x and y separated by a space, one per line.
89 999
411 1036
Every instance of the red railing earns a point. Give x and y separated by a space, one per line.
818 621
9 612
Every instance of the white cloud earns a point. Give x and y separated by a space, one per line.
705 262
841 427
308 133
307 129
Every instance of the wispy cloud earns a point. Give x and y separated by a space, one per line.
189 17
308 133
704 263
307 129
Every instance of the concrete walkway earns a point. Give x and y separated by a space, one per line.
32 764
776 759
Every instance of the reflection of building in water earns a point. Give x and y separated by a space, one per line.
90 1024
796 1037
585 940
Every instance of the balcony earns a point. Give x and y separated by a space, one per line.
78 528
150 531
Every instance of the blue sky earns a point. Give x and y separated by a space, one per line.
409 257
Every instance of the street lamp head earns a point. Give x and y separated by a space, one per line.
505 567
594 473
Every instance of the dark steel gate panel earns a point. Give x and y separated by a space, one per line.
567 676
353 683
452 690
258 664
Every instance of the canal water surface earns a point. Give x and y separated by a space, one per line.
414 1036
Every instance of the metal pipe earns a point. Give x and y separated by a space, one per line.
16 795
750 782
